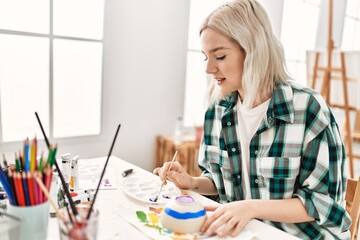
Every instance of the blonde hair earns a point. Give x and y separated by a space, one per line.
246 22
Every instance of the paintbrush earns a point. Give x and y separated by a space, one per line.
65 188
103 172
164 181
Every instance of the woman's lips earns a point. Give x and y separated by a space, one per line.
219 81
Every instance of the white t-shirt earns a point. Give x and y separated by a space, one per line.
249 121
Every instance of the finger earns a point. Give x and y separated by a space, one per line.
218 225
162 171
209 221
211 208
238 228
156 171
227 228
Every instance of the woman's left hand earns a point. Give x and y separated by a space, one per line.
228 219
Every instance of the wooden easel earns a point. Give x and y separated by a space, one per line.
325 89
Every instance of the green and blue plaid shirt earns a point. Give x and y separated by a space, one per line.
297 151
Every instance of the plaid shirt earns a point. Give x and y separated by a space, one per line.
297 151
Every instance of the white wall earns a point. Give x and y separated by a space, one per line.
275 11
144 73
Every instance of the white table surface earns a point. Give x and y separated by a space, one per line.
113 226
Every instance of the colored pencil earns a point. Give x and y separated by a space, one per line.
36 189
26 155
47 174
32 157
41 166
21 161
41 197
19 189
13 192
17 164
25 188
5 162
30 185
5 182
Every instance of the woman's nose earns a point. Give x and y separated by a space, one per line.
210 67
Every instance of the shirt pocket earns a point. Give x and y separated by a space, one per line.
279 175
220 168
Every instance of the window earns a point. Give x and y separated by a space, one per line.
196 79
50 62
351 35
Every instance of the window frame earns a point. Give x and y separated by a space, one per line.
52 37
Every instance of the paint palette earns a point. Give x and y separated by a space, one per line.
146 189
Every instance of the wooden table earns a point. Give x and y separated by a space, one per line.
110 202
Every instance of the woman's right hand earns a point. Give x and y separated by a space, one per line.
176 174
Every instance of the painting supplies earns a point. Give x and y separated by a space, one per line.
5 162
84 197
74 174
83 191
103 172
63 184
127 172
164 181
53 193
65 168
19 185
47 194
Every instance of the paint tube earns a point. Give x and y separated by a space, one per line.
53 192
65 167
74 175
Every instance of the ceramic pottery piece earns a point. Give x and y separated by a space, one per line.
183 214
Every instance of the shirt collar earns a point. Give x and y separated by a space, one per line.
281 104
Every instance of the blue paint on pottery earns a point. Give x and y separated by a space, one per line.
185 215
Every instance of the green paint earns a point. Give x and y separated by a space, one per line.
141 216
160 229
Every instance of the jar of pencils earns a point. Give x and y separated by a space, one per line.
27 185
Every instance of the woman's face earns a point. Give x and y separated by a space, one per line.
224 60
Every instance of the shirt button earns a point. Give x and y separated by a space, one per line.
256 152
256 181
238 176
233 149
229 123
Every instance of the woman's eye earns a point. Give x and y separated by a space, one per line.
220 58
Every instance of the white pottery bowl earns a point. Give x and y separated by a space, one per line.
184 214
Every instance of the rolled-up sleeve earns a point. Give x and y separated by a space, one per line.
321 181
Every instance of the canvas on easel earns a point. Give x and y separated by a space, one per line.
325 66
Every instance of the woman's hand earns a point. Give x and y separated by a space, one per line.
176 174
228 219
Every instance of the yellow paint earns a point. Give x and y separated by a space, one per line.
154 219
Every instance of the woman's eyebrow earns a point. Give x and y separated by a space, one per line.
216 49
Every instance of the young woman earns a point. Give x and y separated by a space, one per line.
271 148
